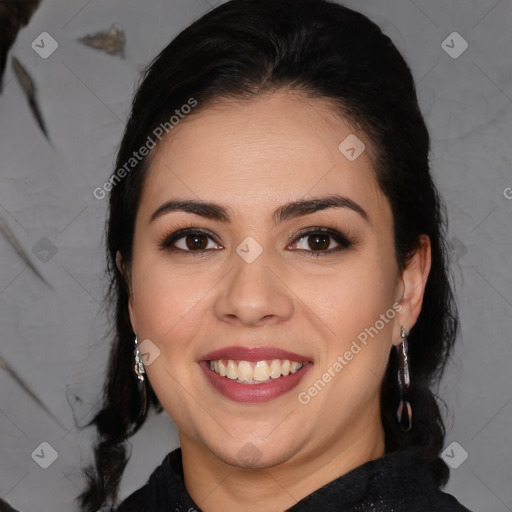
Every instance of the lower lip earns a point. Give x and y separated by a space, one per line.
254 393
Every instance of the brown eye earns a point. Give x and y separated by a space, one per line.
319 242
189 240
196 241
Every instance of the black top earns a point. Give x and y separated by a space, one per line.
396 482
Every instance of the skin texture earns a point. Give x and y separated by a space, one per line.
252 157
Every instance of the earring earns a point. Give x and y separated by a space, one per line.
139 365
139 371
404 382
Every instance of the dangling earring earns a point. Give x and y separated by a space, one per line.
405 420
139 365
139 371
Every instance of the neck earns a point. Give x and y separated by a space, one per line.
216 486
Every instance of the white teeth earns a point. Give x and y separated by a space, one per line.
244 370
261 371
275 369
254 372
232 370
294 366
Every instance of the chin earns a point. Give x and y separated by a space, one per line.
249 455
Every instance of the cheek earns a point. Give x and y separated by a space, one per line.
356 351
351 303
358 293
161 297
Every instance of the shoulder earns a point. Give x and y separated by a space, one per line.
449 503
414 484
400 481
415 489
137 501
158 489
433 499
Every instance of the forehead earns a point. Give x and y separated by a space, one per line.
257 154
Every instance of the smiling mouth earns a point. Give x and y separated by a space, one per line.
254 372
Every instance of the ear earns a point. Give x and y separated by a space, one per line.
119 262
414 280
122 268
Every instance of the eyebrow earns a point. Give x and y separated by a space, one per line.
285 212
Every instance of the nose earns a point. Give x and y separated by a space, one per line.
254 293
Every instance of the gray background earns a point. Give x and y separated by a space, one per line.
54 337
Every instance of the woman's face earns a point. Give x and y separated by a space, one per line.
251 289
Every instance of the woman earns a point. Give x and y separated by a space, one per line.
278 263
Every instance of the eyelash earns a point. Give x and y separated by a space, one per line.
180 232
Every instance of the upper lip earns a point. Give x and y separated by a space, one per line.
252 354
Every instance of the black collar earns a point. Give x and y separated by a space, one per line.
397 482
